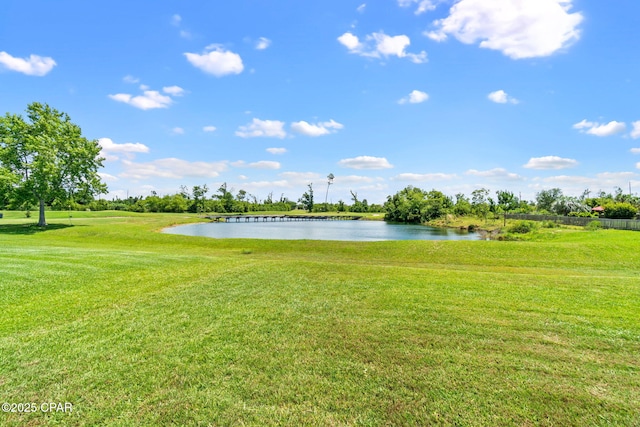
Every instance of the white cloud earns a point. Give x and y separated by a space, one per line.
550 162
262 128
177 131
172 168
130 79
380 188
519 29
601 181
597 129
424 177
616 176
436 36
263 43
584 124
366 162
173 90
396 46
423 5
110 148
418 58
635 133
300 178
148 100
107 177
209 129
610 128
380 45
258 186
574 181
354 179
415 97
176 21
318 129
281 183
262 164
217 61
34 65
391 45
275 150
635 150
351 42
501 97
496 173
361 8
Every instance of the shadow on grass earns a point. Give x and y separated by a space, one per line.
30 228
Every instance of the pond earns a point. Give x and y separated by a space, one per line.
320 230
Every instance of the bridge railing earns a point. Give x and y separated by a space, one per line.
266 218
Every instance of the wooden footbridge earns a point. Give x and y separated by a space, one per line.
274 218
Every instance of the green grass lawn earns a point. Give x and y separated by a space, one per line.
134 327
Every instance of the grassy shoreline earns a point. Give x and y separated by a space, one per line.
136 327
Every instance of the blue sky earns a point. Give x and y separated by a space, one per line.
518 95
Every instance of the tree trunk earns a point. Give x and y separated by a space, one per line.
41 221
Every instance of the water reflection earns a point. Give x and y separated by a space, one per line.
320 230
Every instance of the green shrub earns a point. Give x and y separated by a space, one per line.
593 226
620 210
549 224
583 214
522 227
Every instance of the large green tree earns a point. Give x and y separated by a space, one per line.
546 198
44 158
479 202
412 204
307 199
199 197
507 201
226 198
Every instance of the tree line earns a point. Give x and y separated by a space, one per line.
409 205
199 199
46 163
414 205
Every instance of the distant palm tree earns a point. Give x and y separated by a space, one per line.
329 182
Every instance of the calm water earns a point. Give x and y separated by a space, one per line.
320 230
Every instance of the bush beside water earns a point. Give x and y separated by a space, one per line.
522 227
